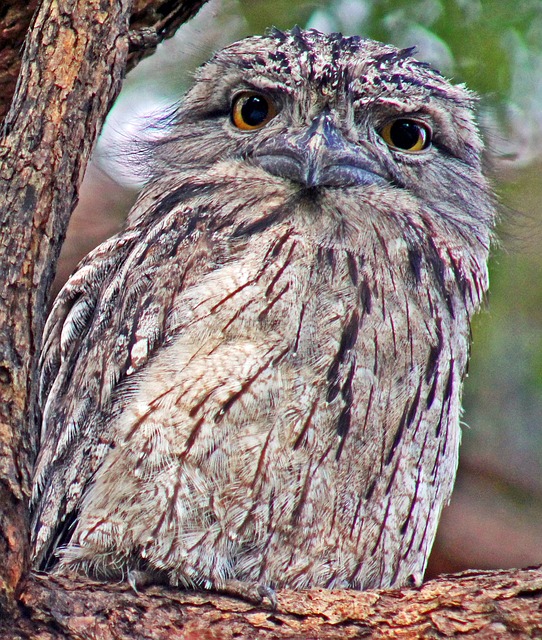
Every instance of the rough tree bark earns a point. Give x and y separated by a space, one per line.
150 22
74 60
478 605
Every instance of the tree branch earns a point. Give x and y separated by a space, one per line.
155 21
476 604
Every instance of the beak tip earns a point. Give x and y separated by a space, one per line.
313 174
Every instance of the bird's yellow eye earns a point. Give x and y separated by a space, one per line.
251 110
406 135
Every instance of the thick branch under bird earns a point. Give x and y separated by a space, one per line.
258 380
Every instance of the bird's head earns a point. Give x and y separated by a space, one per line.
304 114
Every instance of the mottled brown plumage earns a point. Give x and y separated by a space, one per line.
259 379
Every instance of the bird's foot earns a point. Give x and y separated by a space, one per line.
137 579
249 591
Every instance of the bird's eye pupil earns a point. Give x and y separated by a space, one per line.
407 135
255 111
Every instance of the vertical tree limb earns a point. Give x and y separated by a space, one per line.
71 72
75 58
151 21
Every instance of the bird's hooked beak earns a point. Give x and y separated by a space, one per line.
319 157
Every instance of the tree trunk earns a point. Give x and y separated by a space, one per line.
74 61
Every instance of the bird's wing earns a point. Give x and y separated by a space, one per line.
106 323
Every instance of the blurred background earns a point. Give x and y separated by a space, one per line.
495 517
